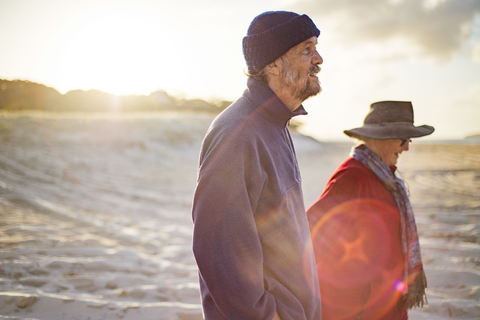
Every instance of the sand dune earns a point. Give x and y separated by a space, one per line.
95 216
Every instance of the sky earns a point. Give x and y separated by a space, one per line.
424 51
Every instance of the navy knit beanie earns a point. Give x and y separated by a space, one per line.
271 34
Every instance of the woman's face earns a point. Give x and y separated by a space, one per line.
389 150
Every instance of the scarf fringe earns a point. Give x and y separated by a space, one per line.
419 301
417 297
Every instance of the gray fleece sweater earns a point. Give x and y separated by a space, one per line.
251 238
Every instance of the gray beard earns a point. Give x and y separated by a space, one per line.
300 90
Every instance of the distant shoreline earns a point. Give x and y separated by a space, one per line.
446 142
465 141
471 140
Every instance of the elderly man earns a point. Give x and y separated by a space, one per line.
251 238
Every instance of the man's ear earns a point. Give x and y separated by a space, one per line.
274 68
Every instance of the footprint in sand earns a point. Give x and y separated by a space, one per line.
26 302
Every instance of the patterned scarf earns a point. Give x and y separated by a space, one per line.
417 282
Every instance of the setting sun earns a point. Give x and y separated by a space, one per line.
113 49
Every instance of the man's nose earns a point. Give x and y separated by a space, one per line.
317 58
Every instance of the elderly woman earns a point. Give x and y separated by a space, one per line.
363 228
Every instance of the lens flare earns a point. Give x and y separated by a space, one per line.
357 243
400 286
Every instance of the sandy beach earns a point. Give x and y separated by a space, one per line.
95 218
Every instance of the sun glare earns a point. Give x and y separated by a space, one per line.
113 50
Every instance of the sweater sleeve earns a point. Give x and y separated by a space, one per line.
225 239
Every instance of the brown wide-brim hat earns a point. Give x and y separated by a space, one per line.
390 120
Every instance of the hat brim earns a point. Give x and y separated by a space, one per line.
390 131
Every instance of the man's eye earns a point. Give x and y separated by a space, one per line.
310 49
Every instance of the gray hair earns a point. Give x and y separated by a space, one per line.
360 139
259 75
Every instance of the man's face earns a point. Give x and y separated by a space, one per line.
300 67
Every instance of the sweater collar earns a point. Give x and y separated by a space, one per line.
268 104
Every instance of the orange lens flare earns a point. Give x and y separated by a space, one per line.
354 246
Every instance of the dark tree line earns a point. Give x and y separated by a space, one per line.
19 95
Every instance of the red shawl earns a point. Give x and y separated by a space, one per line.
355 227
